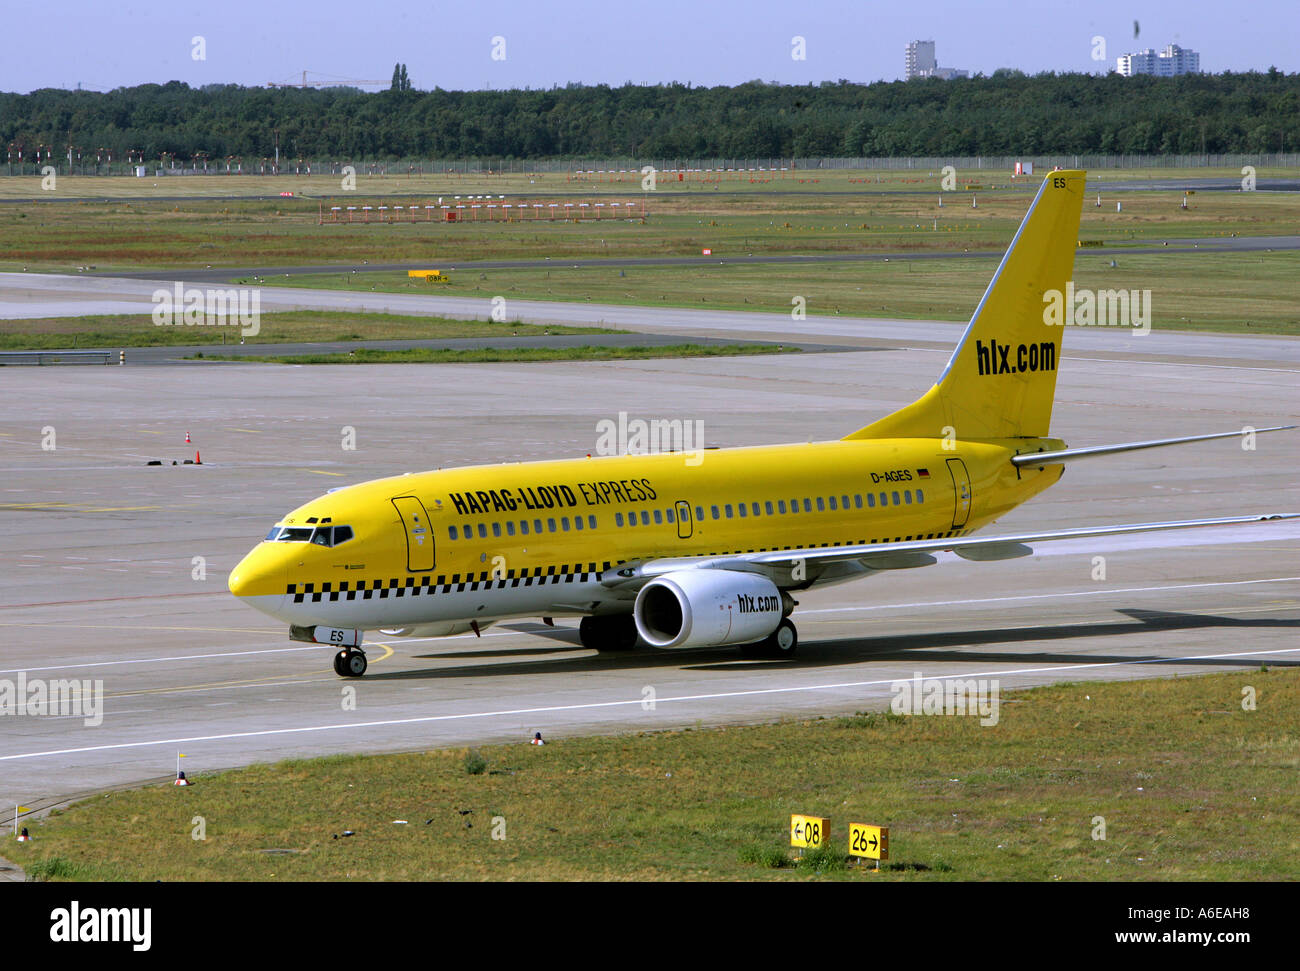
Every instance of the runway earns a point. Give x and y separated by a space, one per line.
101 581
1232 244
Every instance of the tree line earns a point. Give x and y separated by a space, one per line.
1007 113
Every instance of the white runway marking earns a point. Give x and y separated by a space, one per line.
1039 596
154 660
630 701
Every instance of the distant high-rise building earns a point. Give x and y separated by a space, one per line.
919 62
1171 61
919 59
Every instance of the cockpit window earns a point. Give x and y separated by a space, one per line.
319 536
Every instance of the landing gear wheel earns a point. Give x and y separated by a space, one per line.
605 634
350 663
781 643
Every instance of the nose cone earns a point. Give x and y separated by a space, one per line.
259 578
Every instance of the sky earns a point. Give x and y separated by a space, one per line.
542 43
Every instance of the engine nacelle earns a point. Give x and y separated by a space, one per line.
444 629
708 608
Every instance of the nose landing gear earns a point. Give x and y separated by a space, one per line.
350 663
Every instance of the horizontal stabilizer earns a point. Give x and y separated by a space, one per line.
1060 457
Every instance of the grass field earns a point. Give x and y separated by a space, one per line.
424 355
290 326
1188 784
1240 293
143 234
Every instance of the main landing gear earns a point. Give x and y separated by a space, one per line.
350 663
781 643
613 633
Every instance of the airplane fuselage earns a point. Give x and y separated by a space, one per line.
487 542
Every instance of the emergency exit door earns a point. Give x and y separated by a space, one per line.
419 534
961 492
685 525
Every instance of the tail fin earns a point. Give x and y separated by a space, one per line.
1001 379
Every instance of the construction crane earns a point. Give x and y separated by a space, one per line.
333 82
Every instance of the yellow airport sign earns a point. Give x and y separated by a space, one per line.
429 276
871 842
808 831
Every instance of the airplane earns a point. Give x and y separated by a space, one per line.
705 550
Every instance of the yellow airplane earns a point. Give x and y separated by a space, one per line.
707 549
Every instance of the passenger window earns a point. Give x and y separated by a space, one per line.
768 506
510 527
920 496
537 526
564 524
670 516
807 504
699 513
523 527
577 522
659 517
755 510
844 502
645 518
496 529
857 500
482 531
907 496
871 500
896 499
591 521
780 506
743 510
618 519
727 510
832 502
715 512
451 532
550 524
884 499
821 504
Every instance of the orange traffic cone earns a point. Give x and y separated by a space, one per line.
24 836
181 780
187 438
197 460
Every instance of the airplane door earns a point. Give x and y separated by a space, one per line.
419 533
685 524
961 489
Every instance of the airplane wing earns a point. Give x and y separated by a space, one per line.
899 556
